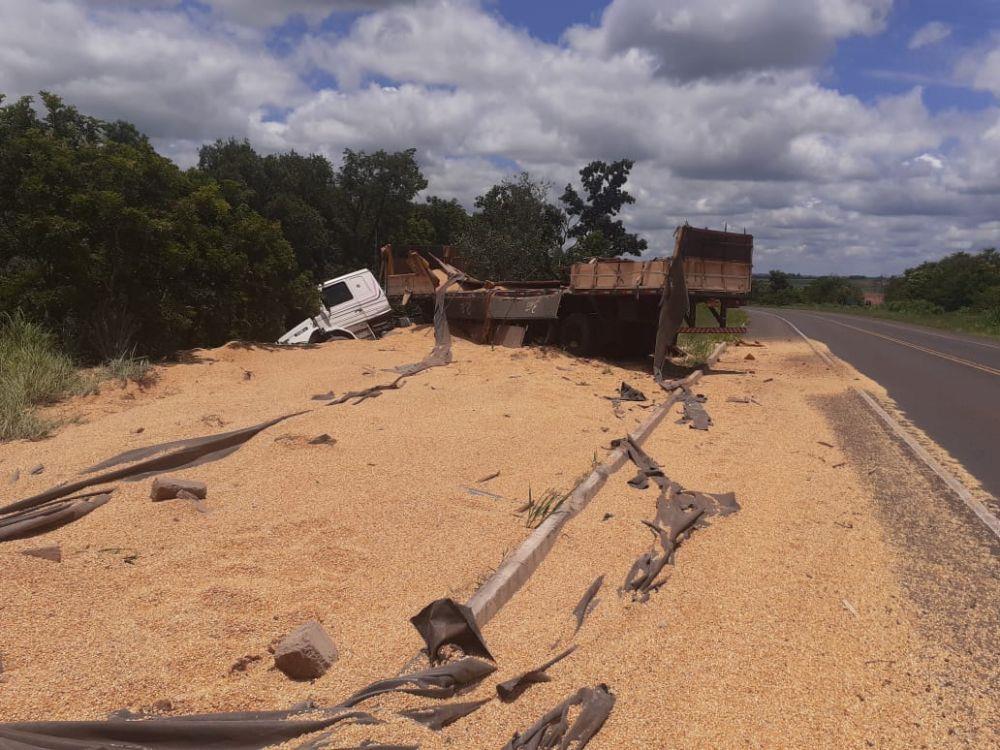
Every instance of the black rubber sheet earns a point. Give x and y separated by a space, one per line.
510 690
554 729
221 731
444 622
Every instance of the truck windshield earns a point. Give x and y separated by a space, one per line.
336 294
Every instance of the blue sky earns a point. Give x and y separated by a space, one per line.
850 136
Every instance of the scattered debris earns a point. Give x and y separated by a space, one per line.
824 443
15 475
446 622
694 412
488 477
241 664
305 653
324 439
850 608
554 728
483 493
169 488
438 717
328 396
842 463
749 357
747 399
248 374
678 513
608 516
138 430
587 602
438 682
366 393
768 380
37 469
53 553
743 342
510 690
627 393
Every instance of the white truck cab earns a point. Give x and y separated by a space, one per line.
354 306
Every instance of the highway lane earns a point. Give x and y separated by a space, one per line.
946 384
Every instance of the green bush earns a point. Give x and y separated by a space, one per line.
914 307
32 372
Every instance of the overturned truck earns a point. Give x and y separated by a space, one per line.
608 306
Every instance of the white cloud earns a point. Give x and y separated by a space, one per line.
264 13
930 34
688 40
172 77
751 137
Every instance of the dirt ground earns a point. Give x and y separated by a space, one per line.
790 624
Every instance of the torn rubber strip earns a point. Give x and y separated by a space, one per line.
438 717
222 731
587 602
510 690
554 728
28 523
154 459
438 682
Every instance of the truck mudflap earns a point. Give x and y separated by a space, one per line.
673 309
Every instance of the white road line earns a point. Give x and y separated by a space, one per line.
974 504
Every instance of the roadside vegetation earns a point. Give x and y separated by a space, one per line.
960 292
34 372
699 345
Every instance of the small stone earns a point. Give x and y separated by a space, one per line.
37 469
323 439
162 705
305 653
46 553
241 664
168 488
750 357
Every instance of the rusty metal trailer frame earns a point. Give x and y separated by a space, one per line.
606 302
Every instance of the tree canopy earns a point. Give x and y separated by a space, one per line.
113 247
596 231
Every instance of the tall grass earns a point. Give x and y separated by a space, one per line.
32 372
699 345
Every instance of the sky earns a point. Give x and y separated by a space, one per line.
848 136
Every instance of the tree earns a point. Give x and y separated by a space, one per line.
296 191
515 231
595 229
956 281
113 247
372 201
834 290
779 281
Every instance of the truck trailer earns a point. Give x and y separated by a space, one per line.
608 306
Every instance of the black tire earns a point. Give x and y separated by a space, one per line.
578 335
318 336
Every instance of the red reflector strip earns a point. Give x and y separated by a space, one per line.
709 329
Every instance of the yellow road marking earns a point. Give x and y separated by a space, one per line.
926 350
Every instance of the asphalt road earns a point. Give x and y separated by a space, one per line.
948 384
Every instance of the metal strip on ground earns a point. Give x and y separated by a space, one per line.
974 504
515 571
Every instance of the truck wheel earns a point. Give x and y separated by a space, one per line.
577 335
318 336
